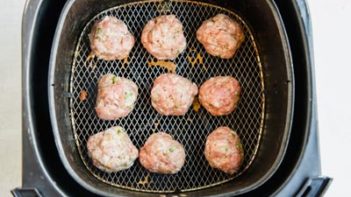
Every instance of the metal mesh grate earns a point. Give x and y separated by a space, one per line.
191 130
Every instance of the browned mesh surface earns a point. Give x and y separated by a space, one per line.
191 130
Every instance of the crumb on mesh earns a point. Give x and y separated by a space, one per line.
196 104
83 95
170 66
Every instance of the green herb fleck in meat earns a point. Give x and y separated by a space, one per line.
99 34
118 130
239 146
114 79
128 95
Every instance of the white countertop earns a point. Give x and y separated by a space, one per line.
332 42
10 99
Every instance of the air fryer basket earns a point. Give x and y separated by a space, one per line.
192 128
262 65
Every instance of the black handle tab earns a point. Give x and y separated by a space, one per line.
25 192
314 187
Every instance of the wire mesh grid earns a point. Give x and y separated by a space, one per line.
192 129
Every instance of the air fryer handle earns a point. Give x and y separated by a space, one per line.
314 187
25 192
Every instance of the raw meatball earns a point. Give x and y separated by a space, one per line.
220 95
172 94
163 37
162 154
111 150
110 39
221 36
116 97
224 150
